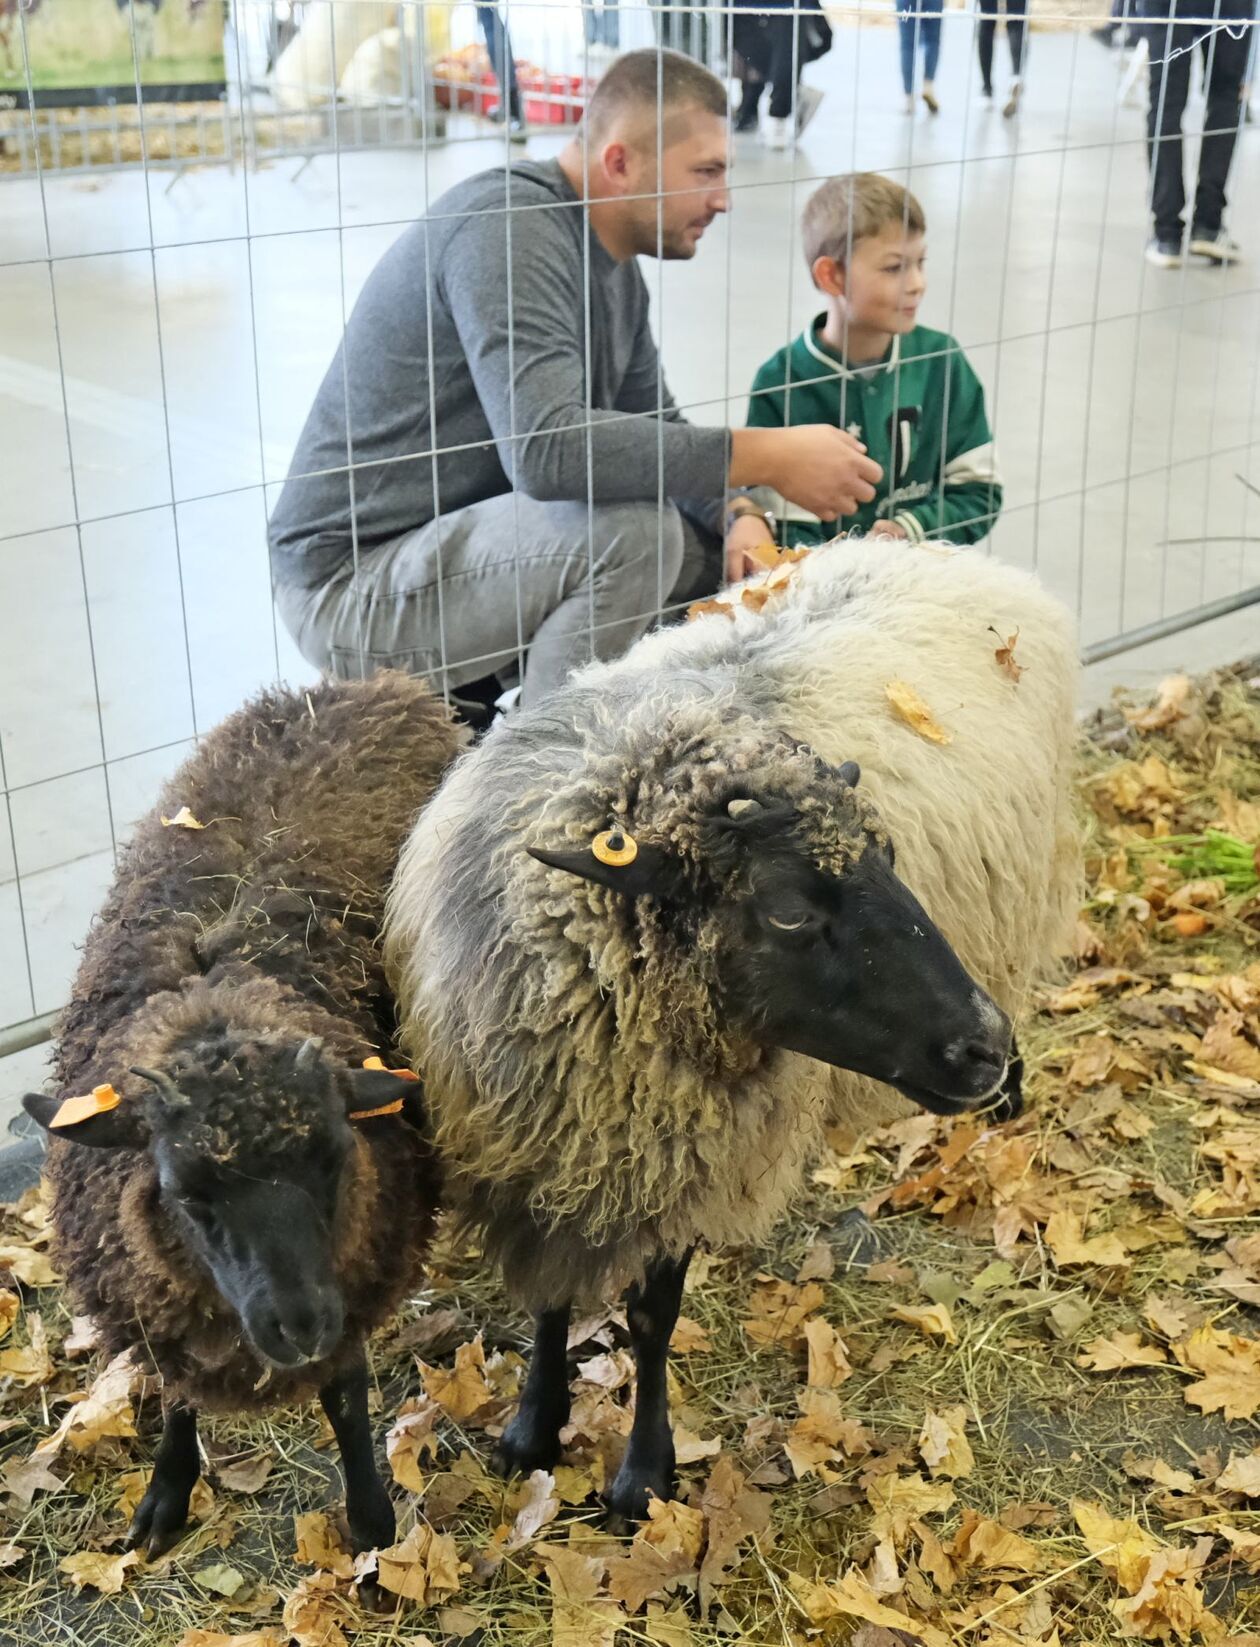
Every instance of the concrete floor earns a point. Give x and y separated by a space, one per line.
192 323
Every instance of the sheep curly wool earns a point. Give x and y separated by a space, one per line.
217 950
591 1106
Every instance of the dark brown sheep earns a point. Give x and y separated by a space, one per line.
237 1218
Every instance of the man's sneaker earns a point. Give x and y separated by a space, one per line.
1215 245
930 98
985 99
1164 254
807 100
1011 106
778 133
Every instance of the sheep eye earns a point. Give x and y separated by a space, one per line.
788 926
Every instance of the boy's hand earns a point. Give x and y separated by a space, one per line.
887 529
746 544
817 467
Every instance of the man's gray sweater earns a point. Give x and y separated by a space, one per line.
463 374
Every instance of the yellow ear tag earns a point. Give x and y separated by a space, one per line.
402 1074
615 847
96 1102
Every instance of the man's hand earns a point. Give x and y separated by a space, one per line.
817 467
887 529
747 544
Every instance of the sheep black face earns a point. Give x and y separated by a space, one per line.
250 1145
844 966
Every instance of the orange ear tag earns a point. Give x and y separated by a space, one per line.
97 1102
384 1109
615 847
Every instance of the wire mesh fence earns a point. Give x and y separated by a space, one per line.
176 276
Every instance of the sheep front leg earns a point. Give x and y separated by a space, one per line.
369 1509
162 1512
648 1467
532 1440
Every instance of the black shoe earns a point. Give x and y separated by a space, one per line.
746 119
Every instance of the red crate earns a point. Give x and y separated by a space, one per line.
553 99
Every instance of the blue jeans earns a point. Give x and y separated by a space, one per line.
917 29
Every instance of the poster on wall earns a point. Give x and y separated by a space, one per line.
95 51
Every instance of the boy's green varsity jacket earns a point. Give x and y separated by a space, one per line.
920 413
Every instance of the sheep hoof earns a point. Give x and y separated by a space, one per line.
526 1445
626 1501
160 1518
373 1526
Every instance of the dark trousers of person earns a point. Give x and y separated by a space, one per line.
923 33
1016 11
770 50
603 28
499 51
1171 44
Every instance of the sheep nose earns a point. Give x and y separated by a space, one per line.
312 1328
978 1058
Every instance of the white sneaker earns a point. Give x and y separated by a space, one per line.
778 134
907 104
984 100
1011 106
807 100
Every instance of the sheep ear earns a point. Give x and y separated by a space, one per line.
654 873
377 1089
850 772
121 1128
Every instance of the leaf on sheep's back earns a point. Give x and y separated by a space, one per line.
1231 1372
315 1613
423 1568
910 708
91 1568
1005 655
183 819
461 1391
1121 1350
943 1444
319 1544
704 608
411 1436
778 1310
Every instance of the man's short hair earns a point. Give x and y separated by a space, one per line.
642 81
851 208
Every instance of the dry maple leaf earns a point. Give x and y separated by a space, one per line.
424 1567
580 1615
1066 1240
910 707
853 1597
1121 1350
643 1572
828 1354
216 1638
23 1478
412 1434
932 1320
1005 655
1241 1474
319 1544
819 1263
779 1310
986 1544
537 1507
245 1475
1123 1547
943 1445
315 1613
10 1307
105 1573
29 1363
29 1266
900 1500
1169 1601
461 1391
183 819
688 1337
734 1512
756 597
104 1412
1231 1371
1168 707
703 609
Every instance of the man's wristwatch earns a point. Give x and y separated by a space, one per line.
746 506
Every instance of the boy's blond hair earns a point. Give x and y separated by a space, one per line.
853 207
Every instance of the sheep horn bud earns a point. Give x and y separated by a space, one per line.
743 808
308 1055
166 1088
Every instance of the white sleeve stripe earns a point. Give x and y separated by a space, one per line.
979 464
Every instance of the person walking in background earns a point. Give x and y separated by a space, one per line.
773 45
1016 17
1221 29
602 24
919 28
503 66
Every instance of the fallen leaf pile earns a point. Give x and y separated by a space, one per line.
989 1386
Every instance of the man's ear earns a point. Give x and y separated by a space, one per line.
616 161
654 873
122 1128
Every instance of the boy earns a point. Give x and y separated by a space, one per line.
865 365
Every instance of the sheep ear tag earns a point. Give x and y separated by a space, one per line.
372 1086
95 1118
616 860
72 1111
